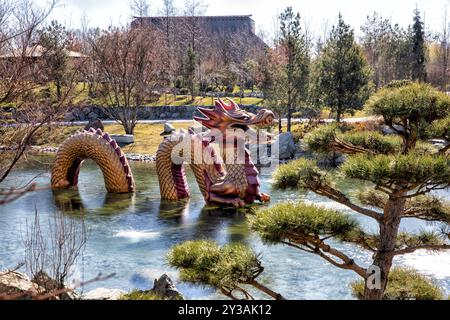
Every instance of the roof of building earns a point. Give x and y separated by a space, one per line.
248 16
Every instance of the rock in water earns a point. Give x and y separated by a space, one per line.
165 288
287 146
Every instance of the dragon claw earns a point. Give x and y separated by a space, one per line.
264 198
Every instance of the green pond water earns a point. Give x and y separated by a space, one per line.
129 235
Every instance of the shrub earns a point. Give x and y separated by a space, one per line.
404 284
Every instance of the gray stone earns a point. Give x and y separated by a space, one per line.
92 116
287 146
123 139
69 117
164 287
82 117
388 130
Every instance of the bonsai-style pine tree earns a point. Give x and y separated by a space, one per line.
230 268
403 173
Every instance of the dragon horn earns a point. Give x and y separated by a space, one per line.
234 104
225 106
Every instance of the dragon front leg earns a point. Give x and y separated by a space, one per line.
263 197
223 193
235 202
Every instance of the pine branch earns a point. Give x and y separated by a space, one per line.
316 246
421 247
336 195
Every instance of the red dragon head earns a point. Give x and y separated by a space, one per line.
230 116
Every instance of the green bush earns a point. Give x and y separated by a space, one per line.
404 284
141 295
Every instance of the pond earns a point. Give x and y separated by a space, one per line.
129 235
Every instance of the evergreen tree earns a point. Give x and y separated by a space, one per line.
296 48
418 60
54 39
190 68
387 48
343 74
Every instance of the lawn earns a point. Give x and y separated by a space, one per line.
146 136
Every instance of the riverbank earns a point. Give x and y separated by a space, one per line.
16 285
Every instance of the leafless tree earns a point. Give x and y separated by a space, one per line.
139 8
51 254
20 76
128 62
192 10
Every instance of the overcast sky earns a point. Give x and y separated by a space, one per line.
100 13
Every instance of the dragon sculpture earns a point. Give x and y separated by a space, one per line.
220 181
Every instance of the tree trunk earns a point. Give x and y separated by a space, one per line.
280 125
409 140
389 227
128 126
289 119
338 114
58 89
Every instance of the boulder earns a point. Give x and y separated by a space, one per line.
92 115
86 110
123 139
164 287
69 117
287 146
388 130
18 286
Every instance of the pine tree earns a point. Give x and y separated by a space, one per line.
190 68
418 55
403 173
54 39
342 72
296 47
